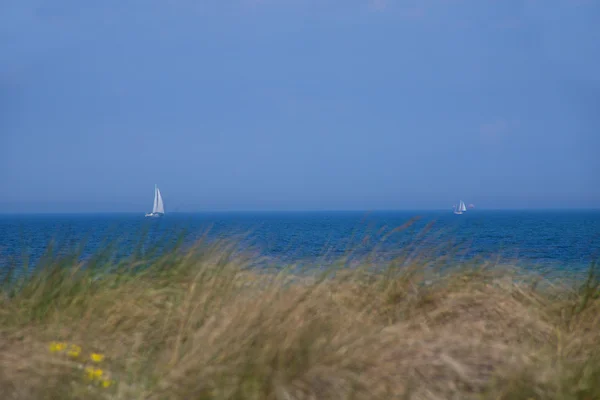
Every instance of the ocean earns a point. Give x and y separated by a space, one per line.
549 242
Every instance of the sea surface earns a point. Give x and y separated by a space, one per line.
549 242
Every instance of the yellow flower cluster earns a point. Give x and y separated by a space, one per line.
73 350
91 373
98 375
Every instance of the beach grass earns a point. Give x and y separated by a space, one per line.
201 323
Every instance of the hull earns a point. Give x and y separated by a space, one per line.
154 215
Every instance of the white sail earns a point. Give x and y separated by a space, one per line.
159 207
460 207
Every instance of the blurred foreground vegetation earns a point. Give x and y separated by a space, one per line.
202 324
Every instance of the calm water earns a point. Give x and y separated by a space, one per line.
541 240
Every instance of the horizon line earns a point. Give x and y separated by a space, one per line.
301 211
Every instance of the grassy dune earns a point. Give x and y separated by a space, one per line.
199 324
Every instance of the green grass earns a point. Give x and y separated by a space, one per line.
200 324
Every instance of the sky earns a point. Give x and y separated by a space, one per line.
299 104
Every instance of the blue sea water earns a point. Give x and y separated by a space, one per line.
543 241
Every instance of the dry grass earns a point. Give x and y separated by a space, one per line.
200 325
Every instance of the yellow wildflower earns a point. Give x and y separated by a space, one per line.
97 357
89 372
93 373
106 383
57 347
74 351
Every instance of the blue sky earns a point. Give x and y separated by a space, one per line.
299 104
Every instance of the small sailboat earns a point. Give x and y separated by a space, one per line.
460 208
158 210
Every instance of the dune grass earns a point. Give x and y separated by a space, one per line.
201 324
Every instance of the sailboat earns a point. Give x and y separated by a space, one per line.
158 210
460 208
